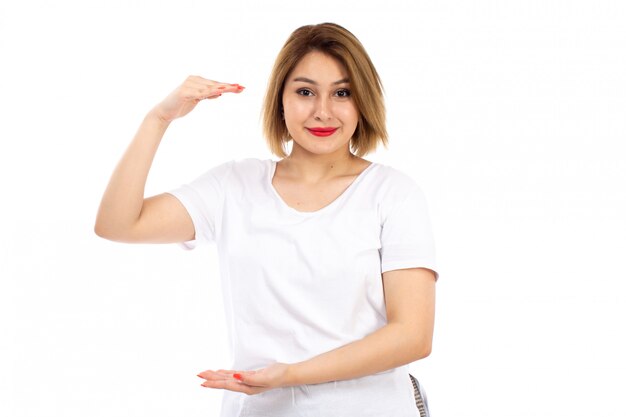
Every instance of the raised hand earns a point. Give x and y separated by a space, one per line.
186 96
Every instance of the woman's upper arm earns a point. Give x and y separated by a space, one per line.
410 302
163 219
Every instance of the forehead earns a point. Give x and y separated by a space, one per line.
320 67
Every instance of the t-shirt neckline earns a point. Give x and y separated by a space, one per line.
343 195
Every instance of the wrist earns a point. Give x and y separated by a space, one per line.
156 117
292 376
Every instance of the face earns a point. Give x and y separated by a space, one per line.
320 114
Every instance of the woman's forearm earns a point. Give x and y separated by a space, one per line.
389 347
123 198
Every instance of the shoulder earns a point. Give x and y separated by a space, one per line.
396 191
250 165
394 181
242 168
250 170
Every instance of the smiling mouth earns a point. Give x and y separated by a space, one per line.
322 131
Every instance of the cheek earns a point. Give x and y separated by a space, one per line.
348 113
295 109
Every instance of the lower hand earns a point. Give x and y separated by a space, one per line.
248 382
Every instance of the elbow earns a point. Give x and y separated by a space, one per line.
97 228
415 344
101 229
115 232
422 348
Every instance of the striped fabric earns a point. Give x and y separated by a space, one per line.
420 397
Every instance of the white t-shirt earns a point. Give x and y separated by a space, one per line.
298 284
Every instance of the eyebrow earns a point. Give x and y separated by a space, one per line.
310 81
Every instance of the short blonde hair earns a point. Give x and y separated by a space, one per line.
365 86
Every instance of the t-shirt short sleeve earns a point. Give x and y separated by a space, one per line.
203 199
406 237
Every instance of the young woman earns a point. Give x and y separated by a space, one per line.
327 259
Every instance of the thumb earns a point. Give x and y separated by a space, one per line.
248 377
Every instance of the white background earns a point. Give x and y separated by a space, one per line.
509 114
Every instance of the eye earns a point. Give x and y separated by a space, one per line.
304 92
344 92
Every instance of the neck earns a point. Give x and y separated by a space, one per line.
314 168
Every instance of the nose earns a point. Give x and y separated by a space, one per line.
323 109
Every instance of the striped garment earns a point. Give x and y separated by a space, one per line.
420 397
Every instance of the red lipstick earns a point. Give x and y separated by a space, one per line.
322 131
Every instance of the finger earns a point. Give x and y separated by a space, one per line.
223 374
189 92
244 372
253 380
213 375
236 87
201 90
231 385
231 372
212 94
226 372
230 88
234 386
208 87
200 80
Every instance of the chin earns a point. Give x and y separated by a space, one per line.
322 146
322 150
